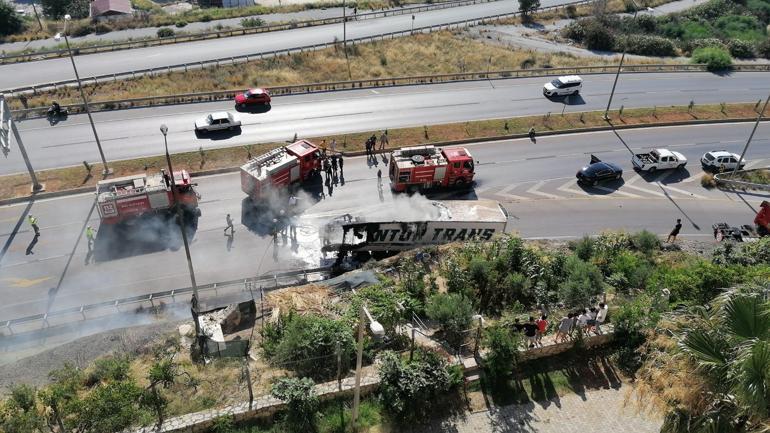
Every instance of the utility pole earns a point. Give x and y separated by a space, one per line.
180 217
37 16
359 358
67 18
8 125
620 66
751 136
345 37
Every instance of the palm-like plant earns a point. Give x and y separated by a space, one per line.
729 344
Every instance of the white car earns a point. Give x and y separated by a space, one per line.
567 85
217 122
720 160
658 159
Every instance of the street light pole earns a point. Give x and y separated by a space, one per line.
106 170
620 66
751 136
179 215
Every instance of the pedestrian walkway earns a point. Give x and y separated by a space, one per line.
604 410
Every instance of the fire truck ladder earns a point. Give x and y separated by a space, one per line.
269 157
420 150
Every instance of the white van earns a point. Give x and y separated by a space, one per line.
567 85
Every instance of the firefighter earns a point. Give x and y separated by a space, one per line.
532 133
166 178
384 140
230 226
90 236
379 176
334 163
33 222
340 162
274 231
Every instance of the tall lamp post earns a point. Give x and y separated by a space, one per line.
179 215
58 37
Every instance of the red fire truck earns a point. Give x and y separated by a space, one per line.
124 198
425 167
280 167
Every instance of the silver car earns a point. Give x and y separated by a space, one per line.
217 122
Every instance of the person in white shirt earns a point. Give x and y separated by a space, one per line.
601 316
582 321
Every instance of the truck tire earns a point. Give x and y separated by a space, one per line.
652 170
460 183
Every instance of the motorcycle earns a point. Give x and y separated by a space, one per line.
57 112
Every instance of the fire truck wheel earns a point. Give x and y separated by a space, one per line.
460 183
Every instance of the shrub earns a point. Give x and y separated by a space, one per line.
111 368
570 11
528 6
56 9
408 390
716 59
575 30
10 21
628 270
584 248
180 23
741 49
301 402
739 27
453 312
646 45
645 242
647 23
382 303
708 181
503 345
165 32
695 281
205 18
307 344
689 46
598 37
252 22
101 28
763 48
760 9
583 282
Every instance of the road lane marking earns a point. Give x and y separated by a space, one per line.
24 283
616 191
505 192
648 191
566 188
681 191
534 190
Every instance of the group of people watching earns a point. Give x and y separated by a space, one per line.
584 321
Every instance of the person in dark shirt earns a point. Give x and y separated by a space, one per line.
518 326
530 331
675 232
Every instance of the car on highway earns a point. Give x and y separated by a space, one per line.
658 159
217 122
720 160
562 86
252 97
598 171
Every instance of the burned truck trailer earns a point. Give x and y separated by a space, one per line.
450 221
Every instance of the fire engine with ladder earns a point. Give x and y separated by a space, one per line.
424 167
279 168
125 198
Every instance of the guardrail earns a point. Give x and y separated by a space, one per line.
221 95
260 55
116 306
42 55
723 179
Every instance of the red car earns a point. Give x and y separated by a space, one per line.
252 96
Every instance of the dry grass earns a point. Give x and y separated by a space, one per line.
73 177
437 53
708 181
761 176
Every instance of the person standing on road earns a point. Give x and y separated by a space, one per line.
90 237
230 226
340 162
334 163
33 222
334 145
675 232
384 140
532 133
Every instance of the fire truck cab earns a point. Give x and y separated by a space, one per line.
279 168
425 167
124 198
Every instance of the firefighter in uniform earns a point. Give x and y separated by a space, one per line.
90 237
33 222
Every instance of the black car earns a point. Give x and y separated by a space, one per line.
597 171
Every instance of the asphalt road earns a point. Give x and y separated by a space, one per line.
23 74
534 181
134 133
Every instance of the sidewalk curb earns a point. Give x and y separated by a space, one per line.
203 173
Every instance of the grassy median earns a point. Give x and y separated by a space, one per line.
208 159
437 53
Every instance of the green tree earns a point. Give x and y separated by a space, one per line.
162 374
19 414
56 9
729 345
583 282
382 303
598 37
109 407
301 401
715 59
503 345
10 21
453 312
409 390
62 395
526 7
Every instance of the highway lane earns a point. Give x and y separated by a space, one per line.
534 181
23 74
134 133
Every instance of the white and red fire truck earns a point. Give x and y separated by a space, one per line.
424 167
125 198
279 168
